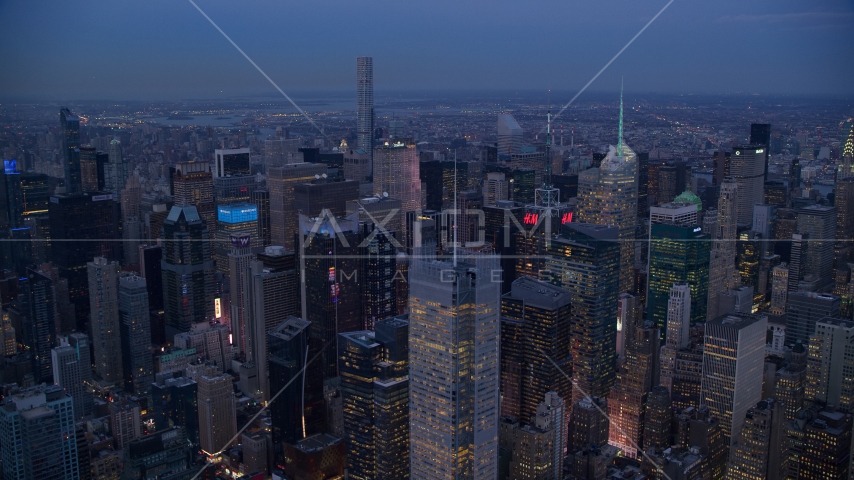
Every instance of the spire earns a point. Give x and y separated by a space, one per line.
848 149
620 135
549 149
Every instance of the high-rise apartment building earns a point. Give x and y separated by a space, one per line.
454 368
733 366
187 269
104 299
803 310
69 125
280 182
831 355
586 263
135 330
365 104
72 370
37 435
217 420
535 346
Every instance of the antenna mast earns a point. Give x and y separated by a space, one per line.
620 134
455 207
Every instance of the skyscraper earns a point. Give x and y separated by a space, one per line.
747 167
69 125
831 353
535 331
358 354
803 310
82 227
678 252
365 104
217 420
231 162
271 293
722 273
237 226
678 331
586 263
281 181
192 184
733 366
104 298
391 393
37 435
72 371
819 222
608 195
297 413
759 450
330 288
174 402
115 172
188 269
396 173
510 135
454 368
135 329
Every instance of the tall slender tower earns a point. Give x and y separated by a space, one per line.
722 273
135 331
365 104
104 299
69 123
609 196
454 368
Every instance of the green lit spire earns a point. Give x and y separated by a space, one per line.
620 139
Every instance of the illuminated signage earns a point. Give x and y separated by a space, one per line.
398 144
530 218
566 218
331 274
240 241
697 229
100 198
10 166
760 151
217 308
333 292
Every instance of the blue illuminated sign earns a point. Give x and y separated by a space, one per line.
10 166
237 213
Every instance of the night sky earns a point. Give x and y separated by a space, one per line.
165 49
